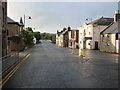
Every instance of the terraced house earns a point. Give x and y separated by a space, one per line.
73 38
62 37
110 36
89 34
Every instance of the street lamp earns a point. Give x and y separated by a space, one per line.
89 19
29 17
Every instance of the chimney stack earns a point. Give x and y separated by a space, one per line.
116 16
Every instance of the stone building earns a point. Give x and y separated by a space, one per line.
62 37
110 37
15 37
3 29
58 38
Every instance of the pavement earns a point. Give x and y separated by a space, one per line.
50 66
9 63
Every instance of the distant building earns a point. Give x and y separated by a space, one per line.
110 36
3 29
62 37
58 38
73 38
15 37
89 34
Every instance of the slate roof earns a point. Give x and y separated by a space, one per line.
64 32
58 33
102 21
112 28
11 21
74 30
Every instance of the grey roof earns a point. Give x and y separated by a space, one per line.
74 29
112 29
58 33
102 21
11 21
64 32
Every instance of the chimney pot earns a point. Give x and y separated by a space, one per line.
116 16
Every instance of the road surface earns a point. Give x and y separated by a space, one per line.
50 66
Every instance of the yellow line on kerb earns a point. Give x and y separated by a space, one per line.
9 75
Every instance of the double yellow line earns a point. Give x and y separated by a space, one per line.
8 76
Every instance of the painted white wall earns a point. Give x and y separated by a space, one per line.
81 36
88 44
117 46
85 31
90 31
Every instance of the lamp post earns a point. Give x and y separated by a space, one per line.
29 17
89 19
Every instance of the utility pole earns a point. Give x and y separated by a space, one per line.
29 17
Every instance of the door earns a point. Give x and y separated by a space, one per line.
84 44
96 45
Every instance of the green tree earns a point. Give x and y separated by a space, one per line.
28 36
29 29
37 35
48 36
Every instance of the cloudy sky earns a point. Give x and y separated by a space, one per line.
53 16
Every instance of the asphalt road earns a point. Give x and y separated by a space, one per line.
50 66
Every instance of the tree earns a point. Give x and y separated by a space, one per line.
28 36
37 35
29 29
48 36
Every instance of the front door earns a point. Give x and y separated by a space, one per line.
84 44
96 45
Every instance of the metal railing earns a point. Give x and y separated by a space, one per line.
8 61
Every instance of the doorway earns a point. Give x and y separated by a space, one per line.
96 45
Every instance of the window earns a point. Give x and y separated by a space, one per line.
108 44
108 40
8 43
72 34
71 43
3 17
116 36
